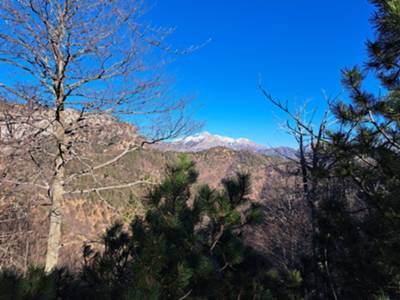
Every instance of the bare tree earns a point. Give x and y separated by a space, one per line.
313 167
70 63
285 230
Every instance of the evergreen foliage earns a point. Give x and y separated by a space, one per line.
350 176
359 223
188 246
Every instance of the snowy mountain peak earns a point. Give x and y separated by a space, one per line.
205 140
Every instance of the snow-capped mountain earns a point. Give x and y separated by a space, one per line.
205 140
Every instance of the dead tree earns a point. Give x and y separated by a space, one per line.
313 167
69 63
286 226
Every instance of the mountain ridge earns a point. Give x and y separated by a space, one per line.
205 141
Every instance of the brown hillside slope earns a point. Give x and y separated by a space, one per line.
24 209
87 218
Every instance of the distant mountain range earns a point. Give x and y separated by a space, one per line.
204 141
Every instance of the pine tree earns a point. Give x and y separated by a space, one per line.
359 225
189 245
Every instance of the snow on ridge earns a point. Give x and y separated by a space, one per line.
244 140
206 136
205 140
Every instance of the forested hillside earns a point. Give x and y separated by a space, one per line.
101 195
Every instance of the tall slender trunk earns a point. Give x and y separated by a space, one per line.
54 238
308 190
56 194
309 185
56 191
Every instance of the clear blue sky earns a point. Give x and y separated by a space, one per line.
297 46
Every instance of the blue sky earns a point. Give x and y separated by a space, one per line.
298 47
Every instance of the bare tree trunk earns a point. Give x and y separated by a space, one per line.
79 57
56 192
54 238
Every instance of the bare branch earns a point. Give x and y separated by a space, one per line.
112 187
